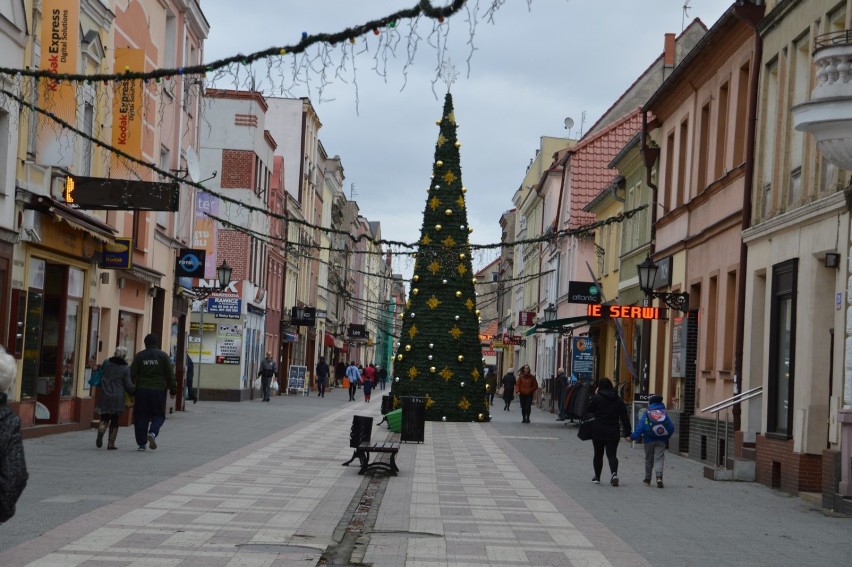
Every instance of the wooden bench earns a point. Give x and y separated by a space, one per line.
363 452
362 427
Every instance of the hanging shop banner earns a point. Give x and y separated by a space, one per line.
60 38
229 343
204 236
526 318
200 347
584 292
127 103
117 255
582 359
190 263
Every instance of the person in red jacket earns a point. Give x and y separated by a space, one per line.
525 387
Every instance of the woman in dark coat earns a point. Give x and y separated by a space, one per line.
611 422
508 389
115 382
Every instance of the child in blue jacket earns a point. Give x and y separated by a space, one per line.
654 427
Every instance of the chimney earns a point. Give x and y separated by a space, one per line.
669 51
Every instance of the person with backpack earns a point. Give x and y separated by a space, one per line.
655 428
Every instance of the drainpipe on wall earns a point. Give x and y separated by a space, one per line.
752 14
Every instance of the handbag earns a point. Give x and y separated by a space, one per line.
98 374
584 433
500 391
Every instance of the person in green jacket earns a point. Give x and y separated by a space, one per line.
152 374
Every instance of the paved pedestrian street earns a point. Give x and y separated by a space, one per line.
251 484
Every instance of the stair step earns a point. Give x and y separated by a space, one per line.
740 469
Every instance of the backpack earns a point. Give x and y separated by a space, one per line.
660 425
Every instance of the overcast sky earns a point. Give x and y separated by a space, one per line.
538 63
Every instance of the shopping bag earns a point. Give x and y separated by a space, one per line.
500 391
274 386
257 384
585 430
346 383
129 400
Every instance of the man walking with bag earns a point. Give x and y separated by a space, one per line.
152 375
268 369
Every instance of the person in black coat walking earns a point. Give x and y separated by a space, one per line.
13 466
508 389
114 384
611 422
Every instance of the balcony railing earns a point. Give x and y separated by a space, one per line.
843 37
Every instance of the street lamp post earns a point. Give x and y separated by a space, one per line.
647 272
223 280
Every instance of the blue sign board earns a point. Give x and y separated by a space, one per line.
225 307
117 256
583 360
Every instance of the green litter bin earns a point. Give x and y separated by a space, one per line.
395 420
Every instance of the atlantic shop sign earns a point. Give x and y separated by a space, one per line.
584 292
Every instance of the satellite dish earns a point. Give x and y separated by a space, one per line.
193 169
569 123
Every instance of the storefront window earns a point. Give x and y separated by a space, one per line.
69 350
127 325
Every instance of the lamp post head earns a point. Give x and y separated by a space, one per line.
549 313
647 272
223 272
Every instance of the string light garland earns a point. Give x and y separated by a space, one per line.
423 8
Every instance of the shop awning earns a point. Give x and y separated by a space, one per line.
332 342
75 219
560 325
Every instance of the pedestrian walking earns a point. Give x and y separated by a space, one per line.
339 373
368 380
508 383
560 389
654 427
610 415
13 466
526 386
322 376
115 383
152 375
383 376
190 374
266 372
491 383
354 377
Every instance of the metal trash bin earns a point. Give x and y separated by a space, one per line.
413 418
387 403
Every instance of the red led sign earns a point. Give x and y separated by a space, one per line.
625 312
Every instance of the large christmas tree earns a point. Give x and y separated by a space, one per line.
439 356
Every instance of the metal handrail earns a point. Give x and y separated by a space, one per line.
726 404
747 395
831 39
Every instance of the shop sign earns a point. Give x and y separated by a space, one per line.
625 312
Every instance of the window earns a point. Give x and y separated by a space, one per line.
730 332
781 353
683 144
721 132
88 127
667 187
801 61
743 85
703 149
769 135
712 316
